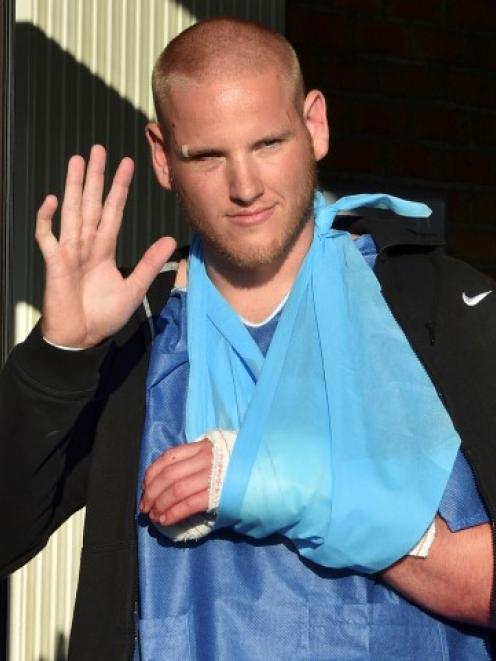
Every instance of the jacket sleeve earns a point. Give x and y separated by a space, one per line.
48 411
455 343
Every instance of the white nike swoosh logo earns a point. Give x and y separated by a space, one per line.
473 300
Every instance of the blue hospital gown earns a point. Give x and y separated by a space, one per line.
231 597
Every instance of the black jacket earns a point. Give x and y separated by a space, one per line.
71 423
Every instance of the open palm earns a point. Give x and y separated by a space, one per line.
86 298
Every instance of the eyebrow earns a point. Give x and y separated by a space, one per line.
187 153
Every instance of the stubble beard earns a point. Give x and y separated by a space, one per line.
249 258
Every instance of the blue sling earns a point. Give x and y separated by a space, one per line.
356 479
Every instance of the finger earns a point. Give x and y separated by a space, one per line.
179 492
43 230
149 267
174 474
193 505
170 457
113 207
70 225
93 188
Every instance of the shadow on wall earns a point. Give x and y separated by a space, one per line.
60 649
61 108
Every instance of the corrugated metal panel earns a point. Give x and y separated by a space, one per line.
82 75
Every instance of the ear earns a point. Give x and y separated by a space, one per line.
315 117
160 161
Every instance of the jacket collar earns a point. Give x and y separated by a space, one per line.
390 231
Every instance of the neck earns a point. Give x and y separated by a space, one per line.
255 293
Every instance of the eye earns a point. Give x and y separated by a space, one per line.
271 142
205 158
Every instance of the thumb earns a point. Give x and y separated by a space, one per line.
150 264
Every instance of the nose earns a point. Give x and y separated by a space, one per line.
245 182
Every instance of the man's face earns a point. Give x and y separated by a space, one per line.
241 160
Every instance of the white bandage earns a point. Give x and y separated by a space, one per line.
200 525
422 547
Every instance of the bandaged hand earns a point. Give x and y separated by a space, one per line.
181 489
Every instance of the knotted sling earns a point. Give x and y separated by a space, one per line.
343 444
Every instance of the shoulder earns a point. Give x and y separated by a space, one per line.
172 274
411 253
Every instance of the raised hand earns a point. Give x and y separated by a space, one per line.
86 298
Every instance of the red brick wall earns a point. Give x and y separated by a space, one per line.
411 90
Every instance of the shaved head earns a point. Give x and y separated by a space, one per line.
237 140
220 49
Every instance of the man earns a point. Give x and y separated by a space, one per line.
237 140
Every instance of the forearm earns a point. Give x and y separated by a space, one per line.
455 580
42 395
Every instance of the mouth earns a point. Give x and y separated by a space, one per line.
250 217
